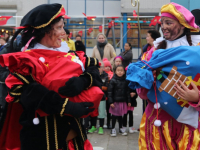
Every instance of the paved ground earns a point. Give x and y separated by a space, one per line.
129 142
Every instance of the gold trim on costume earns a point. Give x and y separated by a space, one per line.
16 94
47 133
156 137
152 124
55 130
18 87
46 24
142 140
80 129
184 138
95 61
76 144
167 136
196 140
22 77
16 101
91 79
148 142
63 107
182 129
32 76
88 62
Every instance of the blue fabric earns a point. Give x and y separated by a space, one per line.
185 58
140 75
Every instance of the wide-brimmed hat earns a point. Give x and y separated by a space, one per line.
180 13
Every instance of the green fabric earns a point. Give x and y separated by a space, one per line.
102 109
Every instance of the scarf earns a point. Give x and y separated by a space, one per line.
100 47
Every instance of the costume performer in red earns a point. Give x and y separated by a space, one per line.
49 87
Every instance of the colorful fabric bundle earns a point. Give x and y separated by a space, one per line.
171 65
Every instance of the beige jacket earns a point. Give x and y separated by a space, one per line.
109 53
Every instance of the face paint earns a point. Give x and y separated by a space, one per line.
171 28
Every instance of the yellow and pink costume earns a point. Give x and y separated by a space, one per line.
171 135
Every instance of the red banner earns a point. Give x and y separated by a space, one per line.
4 19
100 28
155 20
90 30
129 25
80 33
89 17
134 14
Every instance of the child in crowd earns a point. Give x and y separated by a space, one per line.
117 61
118 93
108 68
102 105
133 95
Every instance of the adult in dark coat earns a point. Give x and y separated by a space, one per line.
127 55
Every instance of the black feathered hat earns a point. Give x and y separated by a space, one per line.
42 15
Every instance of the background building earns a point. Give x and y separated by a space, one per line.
104 10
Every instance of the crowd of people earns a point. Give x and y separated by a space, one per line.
118 101
53 94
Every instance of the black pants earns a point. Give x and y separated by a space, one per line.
114 119
86 122
130 113
108 114
93 122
